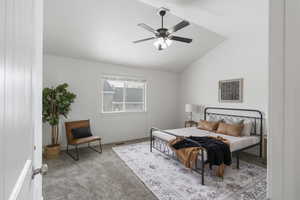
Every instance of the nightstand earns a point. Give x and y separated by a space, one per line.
190 123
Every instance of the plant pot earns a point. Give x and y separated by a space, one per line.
52 151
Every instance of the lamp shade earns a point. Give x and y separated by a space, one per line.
198 108
189 108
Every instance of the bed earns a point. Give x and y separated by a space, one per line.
159 138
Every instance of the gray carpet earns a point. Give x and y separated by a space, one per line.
96 177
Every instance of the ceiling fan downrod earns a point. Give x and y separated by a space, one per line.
162 13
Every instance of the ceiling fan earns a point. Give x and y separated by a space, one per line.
164 36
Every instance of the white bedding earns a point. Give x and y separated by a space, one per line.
236 143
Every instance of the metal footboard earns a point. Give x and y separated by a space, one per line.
162 146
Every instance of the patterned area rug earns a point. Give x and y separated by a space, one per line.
170 180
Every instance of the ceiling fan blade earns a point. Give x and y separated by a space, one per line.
180 39
179 26
148 28
143 40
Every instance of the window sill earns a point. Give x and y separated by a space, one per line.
128 112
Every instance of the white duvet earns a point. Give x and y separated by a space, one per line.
236 143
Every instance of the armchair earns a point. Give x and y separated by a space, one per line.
78 141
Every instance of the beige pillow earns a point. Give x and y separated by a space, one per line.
247 125
207 125
230 129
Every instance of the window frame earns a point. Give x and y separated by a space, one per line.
126 79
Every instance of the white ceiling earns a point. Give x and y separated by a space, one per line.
226 17
103 30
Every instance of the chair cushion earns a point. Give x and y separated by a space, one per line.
85 140
81 132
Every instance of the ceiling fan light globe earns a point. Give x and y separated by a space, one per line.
168 42
162 43
159 46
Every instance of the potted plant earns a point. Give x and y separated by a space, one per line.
56 102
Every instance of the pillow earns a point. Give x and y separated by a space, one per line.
234 121
213 118
247 125
81 132
207 125
230 129
247 128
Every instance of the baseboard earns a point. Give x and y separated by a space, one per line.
128 141
122 142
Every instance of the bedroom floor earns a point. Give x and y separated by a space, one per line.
96 177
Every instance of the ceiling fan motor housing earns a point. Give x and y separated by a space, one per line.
162 32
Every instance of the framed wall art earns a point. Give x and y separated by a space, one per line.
231 91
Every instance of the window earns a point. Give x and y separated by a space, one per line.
123 94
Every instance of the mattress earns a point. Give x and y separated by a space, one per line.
236 143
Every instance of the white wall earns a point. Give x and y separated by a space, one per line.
199 83
84 80
244 54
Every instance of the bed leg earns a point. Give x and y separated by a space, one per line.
238 160
151 138
203 167
260 150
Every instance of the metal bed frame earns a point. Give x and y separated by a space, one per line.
255 116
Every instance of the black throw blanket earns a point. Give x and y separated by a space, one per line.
218 152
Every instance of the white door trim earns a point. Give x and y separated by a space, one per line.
276 100
37 87
2 82
20 182
283 159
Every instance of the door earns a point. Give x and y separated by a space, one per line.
20 98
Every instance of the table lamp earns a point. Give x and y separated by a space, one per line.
189 108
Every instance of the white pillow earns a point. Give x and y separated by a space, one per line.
247 128
234 121
213 118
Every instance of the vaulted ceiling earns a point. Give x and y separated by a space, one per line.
226 17
103 30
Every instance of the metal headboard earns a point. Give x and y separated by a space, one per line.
254 116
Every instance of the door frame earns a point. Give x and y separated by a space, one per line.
276 99
2 60
37 87
284 97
